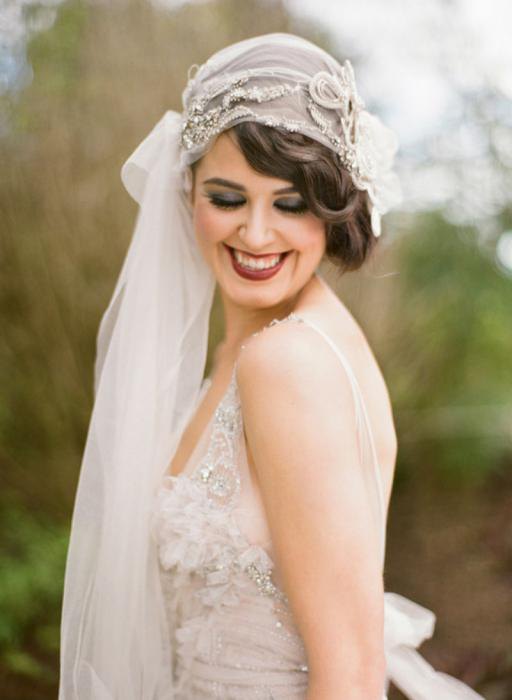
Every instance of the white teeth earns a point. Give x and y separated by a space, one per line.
256 263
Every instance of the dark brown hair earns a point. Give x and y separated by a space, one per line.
327 188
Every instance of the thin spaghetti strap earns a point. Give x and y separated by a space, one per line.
361 413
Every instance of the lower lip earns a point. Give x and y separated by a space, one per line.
255 275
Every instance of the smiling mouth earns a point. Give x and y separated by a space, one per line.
254 255
248 261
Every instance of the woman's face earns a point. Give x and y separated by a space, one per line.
254 231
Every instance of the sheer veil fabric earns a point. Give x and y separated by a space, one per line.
151 353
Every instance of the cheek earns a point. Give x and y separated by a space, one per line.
308 236
210 225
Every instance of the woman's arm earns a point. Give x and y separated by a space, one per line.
301 433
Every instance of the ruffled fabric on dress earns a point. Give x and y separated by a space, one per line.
233 637
197 537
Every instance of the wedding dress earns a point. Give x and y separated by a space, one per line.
232 631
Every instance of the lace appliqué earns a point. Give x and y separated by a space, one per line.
338 93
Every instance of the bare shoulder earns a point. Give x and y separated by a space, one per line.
289 357
290 370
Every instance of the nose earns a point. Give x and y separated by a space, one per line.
255 230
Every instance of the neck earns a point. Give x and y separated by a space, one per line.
240 322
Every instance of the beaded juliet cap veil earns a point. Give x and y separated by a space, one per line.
289 83
152 343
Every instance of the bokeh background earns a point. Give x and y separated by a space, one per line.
81 82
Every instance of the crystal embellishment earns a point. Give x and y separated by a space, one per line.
292 316
200 125
263 580
218 469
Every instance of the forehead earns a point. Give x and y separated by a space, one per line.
226 160
223 152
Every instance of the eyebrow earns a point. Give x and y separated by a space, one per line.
236 186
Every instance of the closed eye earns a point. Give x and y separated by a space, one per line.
288 205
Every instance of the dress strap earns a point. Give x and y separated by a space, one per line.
362 419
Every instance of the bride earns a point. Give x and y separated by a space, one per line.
228 535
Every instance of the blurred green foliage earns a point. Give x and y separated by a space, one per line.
449 365
56 54
32 559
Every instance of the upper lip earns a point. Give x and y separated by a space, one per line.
258 255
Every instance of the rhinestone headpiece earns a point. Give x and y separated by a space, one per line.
325 106
201 125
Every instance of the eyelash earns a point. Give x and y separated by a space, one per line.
222 203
